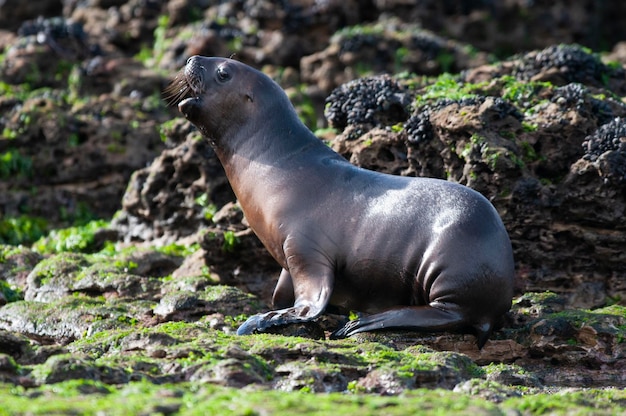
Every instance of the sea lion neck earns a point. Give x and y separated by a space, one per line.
257 142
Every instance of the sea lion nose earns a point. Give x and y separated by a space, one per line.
195 74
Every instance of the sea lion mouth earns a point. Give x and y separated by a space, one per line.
188 83
190 107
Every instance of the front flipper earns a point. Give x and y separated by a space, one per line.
306 283
416 318
260 322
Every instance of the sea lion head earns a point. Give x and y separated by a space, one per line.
218 95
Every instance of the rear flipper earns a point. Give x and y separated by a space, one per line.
416 318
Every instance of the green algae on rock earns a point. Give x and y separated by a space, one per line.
92 397
555 175
69 318
226 300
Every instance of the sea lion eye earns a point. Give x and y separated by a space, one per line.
222 74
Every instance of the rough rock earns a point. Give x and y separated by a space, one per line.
539 133
174 197
386 46
59 276
69 319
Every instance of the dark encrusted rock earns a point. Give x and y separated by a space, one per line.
174 196
563 64
606 150
374 101
388 45
435 370
43 49
311 329
609 137
578 96
8 367
419 128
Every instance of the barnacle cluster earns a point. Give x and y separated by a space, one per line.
418 127
606 148
579 97
574 63
430 45
373 101
56 28
359 41
610 136
64 36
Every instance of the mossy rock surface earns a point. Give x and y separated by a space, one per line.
129 264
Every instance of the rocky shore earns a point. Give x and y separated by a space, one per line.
126 264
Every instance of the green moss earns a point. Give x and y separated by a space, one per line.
208 207
179 250
22 230
144 55
230 241
421 358
523 94
91 398
447 86
502 367
62 70
167 128
515 159
350 32
400 56
446 60
507 134
73 239
324 131
7 251
589 402
14 164
538 298
161 41
81 316
235 44
609 321
614 309
529 127
10 293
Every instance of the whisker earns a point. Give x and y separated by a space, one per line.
177 90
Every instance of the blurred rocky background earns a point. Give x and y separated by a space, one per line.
521 100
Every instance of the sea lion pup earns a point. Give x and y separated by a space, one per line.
407 253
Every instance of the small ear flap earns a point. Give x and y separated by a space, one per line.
250 97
